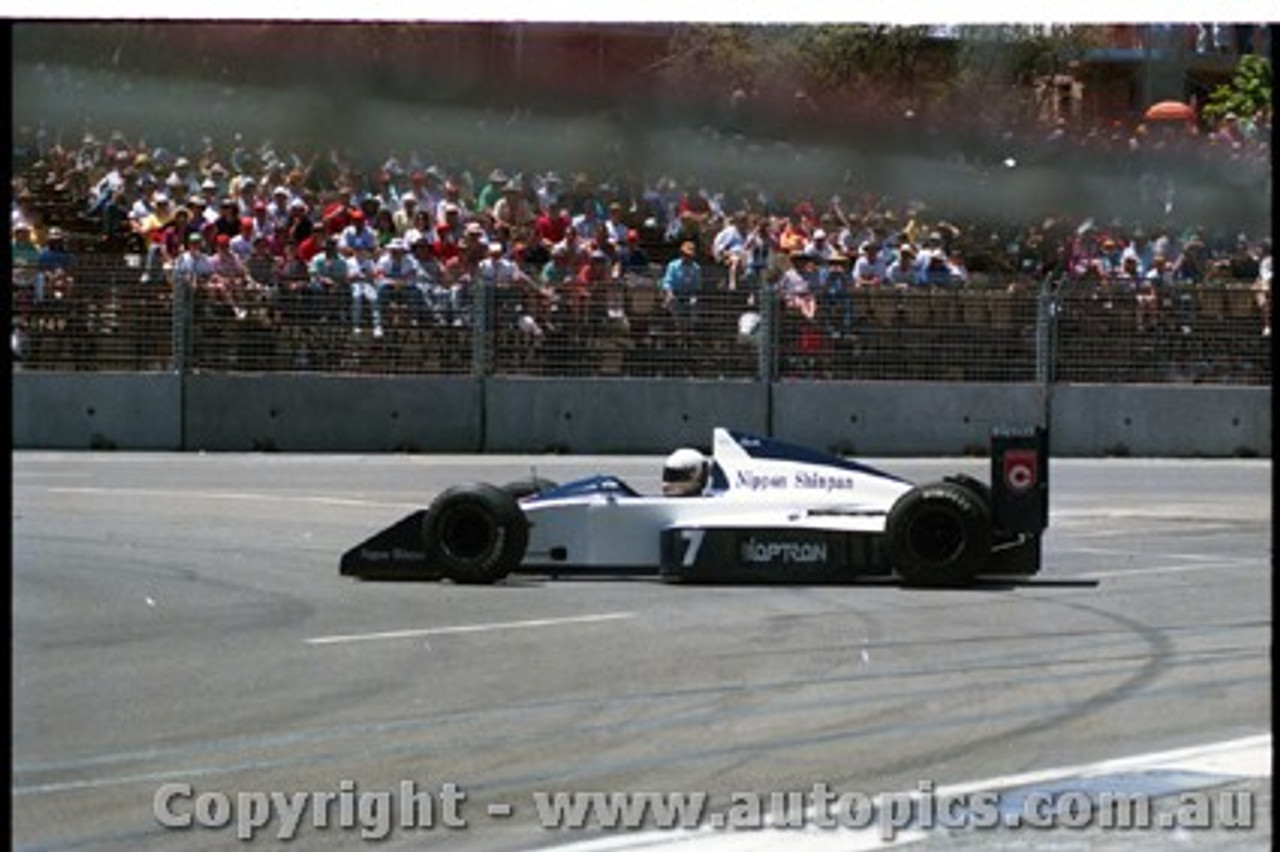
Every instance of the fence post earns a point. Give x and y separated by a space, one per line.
182 323
1046 327
482 328
767 334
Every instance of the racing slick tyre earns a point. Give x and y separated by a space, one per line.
475 533
977 486
522 488
938 534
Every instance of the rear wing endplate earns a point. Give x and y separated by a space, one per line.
1020 479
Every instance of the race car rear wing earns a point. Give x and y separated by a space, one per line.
1020 479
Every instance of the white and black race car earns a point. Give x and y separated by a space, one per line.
765 510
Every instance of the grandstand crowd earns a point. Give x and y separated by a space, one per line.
324 235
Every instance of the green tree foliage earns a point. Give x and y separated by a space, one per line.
1248 92
894 66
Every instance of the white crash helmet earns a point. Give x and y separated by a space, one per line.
684 473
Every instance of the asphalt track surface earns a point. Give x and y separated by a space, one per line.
179 619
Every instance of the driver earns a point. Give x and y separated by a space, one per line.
684 473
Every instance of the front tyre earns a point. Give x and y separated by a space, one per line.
938 535
475 534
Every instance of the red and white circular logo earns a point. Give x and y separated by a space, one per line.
1020 470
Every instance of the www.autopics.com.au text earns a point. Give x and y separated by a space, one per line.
375 814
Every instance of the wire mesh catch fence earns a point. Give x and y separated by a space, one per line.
116 313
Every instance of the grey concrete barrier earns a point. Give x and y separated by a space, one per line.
898 419
616 415
1161 420
81 411
323 413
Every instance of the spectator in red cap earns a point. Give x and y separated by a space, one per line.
228 279
358 236
241 244
631 255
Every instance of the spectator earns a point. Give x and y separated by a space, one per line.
492 190
936 271
728 247
759 249
241 244
798 287
419 228
1139 248
430 276
262 270
1128 276
632 258
407 216
201 215
1243 264
903 271
552 227
870 268
587 224
396 275
329 280
279 210
55 278
1157 279
358 236
819 247
682 284
364 292
25 254
227 283
245 190
793 237
25 258
512 209
548 192
452 200
957 269
384 226
299 227
176 232
1192 266
228 222
426 186
614 227
558 270
193 270
836 303
508 283
585 289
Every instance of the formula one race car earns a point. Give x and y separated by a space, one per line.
760 510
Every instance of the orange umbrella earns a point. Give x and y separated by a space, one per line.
1170 111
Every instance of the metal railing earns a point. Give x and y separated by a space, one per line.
113 314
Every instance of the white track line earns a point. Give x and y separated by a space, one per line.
470 628
228 495
1169 569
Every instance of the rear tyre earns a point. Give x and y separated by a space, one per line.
475 534
939 535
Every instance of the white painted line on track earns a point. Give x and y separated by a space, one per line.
1189 557
185 494
470 628
1247 757
1170 569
